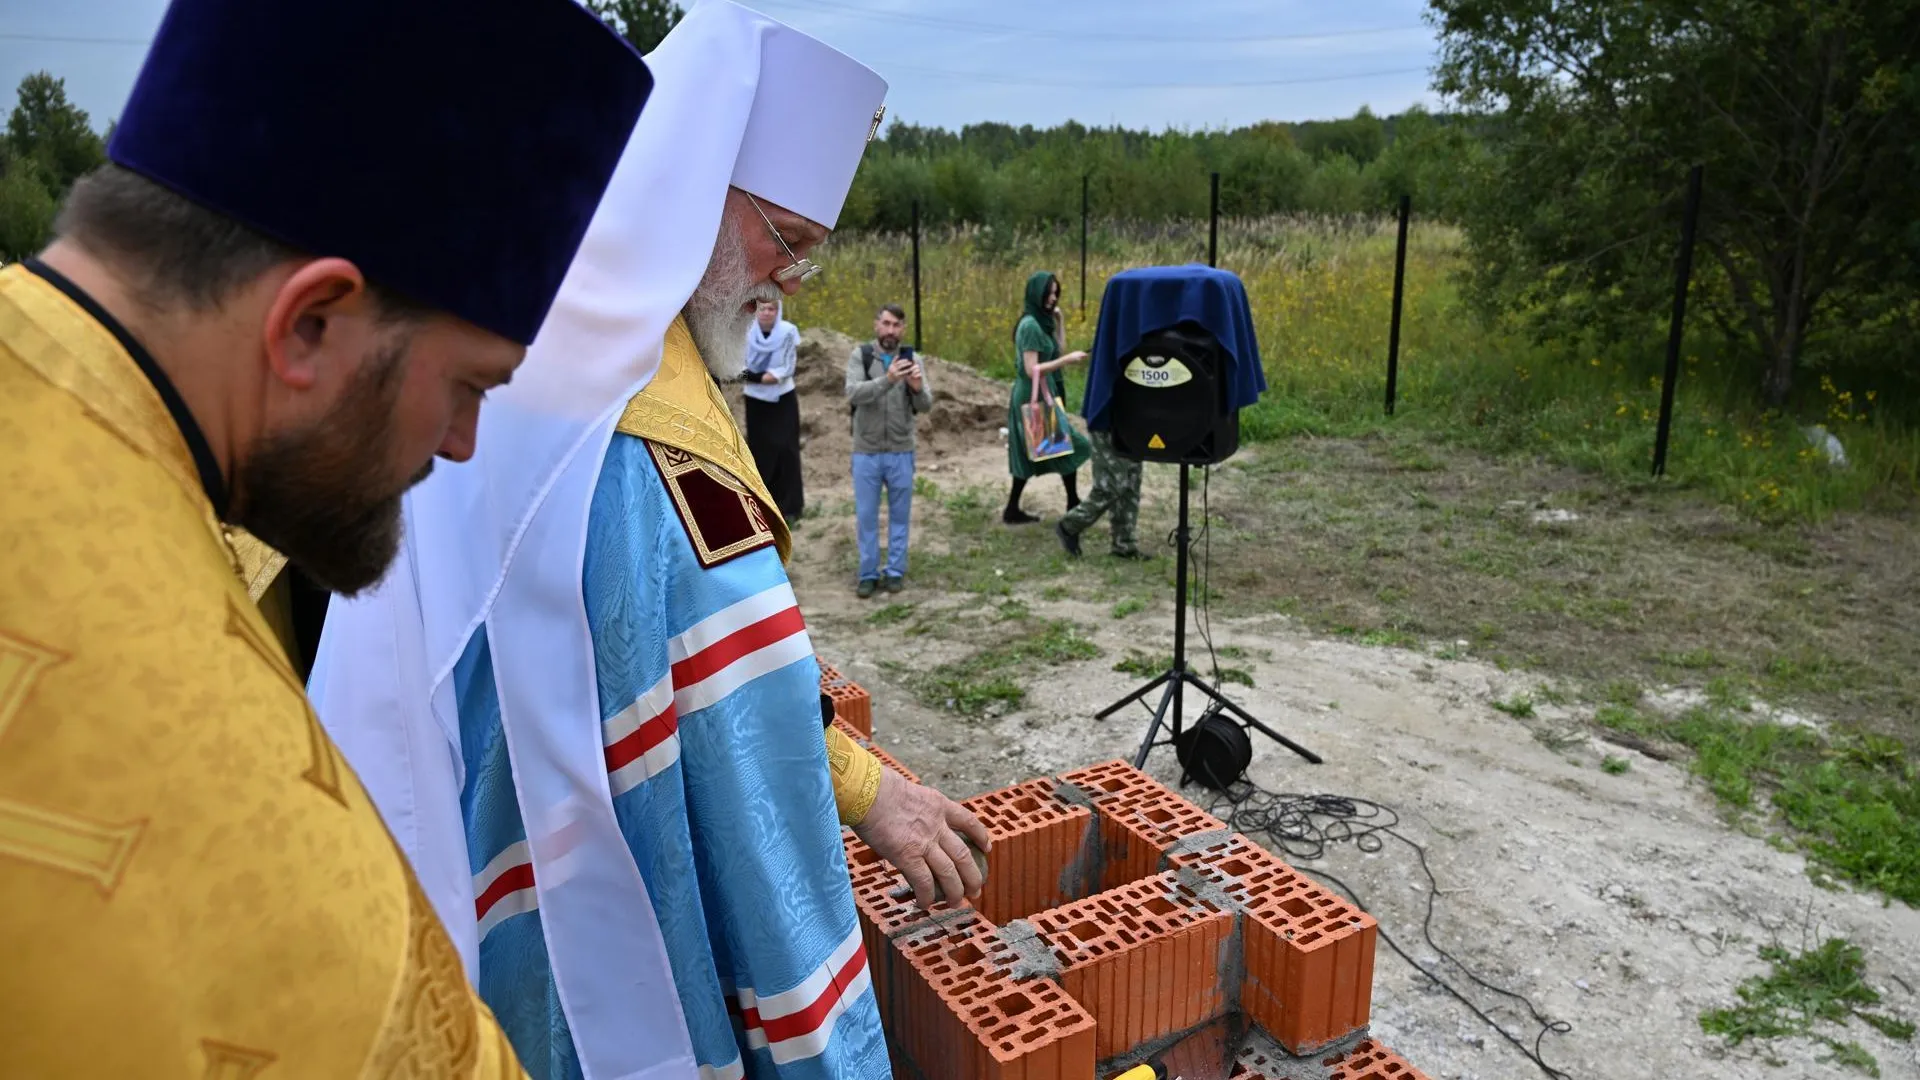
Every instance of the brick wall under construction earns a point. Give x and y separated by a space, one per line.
1116 917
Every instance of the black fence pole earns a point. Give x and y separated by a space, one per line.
1399 293
1084 178
916 275
1683 273
1213 224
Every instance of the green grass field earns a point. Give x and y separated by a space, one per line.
1321 291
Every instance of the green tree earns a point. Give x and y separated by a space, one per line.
47 129
1805 114
26 208
1361 138
642 22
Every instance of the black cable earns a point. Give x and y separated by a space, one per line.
1305 826
1202 568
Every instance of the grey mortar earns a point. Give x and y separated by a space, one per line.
1032 957
1196 842
1081 877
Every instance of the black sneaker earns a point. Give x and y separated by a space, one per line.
895 584
1135 555
1013 515
865 588
1068 540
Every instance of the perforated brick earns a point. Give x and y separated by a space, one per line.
1147 959
1144 917
1370 1060
850 702
1037 837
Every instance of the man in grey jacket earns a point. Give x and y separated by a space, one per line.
887 389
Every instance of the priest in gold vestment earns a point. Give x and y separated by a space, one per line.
268 310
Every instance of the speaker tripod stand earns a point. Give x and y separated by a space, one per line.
1173 682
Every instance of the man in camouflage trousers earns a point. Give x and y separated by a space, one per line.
1116 490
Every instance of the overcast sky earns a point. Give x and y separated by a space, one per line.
1139 63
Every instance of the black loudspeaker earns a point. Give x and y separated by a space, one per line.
1170 399
1215 750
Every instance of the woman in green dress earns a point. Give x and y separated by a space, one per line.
1039 342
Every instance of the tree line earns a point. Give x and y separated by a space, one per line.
1025 177
1572 128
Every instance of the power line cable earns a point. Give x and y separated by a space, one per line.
73 39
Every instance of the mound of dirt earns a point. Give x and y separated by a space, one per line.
969 409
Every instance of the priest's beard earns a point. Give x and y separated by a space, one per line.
722 308
322 494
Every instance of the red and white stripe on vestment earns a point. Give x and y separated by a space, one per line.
642 739
504 888
736 645
796 1024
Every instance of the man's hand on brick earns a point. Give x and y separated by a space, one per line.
918 831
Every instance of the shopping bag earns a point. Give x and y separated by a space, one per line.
1047 429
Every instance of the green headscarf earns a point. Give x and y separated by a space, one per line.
1037 299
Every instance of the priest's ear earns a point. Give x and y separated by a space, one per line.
324 320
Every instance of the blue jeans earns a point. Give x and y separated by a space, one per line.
871 472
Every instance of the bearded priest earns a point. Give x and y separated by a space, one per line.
322 235
611 769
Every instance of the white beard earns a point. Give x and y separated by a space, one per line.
723 307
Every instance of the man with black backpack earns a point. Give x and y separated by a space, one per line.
886 391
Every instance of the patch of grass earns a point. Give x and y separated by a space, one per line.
988 683
1060 641
1131 605
1696 660
1386 638
1861 821
1625 718
1622 692
891 614
1241 676
1853 805
1055 592
1142 665
1520 707
1012 610
1729 692
924 488
1803 992
1614 766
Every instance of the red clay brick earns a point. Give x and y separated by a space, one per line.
1370 1060
1144 959
1036 835
962 1016
850 702
1309 954
1112 779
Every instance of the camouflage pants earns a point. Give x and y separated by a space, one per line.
1116 491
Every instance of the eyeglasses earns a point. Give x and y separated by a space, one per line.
802 270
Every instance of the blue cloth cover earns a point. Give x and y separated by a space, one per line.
1144 301
454 150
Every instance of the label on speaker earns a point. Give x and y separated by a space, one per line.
1156 372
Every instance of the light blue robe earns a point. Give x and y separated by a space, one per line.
709 696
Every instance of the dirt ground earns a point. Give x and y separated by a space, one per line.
1624 905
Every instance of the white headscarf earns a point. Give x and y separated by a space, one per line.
501 540
763 346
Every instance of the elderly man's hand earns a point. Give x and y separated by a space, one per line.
917 829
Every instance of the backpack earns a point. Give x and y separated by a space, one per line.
866 372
